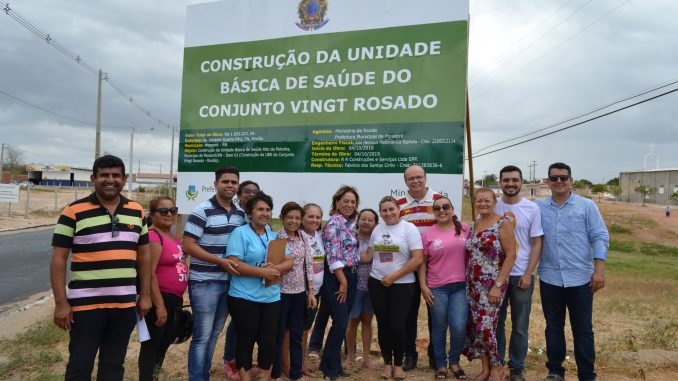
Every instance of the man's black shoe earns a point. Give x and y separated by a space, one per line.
432 363
410 363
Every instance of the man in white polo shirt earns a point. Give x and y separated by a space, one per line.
416 207
525 217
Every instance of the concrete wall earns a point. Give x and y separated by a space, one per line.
666 182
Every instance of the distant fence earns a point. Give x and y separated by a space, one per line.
50 200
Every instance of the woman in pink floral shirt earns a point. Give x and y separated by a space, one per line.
339 285
296 291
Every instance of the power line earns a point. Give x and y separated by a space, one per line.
579 123
533 42
644 92
551 50
76 58
55 113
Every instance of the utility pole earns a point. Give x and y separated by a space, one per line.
97 144
170 182
2 157
131 162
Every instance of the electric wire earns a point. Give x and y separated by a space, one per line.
644 92
76 58
579 123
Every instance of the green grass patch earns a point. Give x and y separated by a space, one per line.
616 228
657 249
34 352
638 265
623 246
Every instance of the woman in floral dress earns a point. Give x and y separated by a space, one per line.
490 253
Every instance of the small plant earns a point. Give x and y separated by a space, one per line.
615 228
623 246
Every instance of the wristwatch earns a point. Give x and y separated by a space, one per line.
498 284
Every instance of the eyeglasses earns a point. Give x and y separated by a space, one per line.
438 208
166 211
414 178
249 191
562 178
115 229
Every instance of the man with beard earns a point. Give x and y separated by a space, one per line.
526 220
108 237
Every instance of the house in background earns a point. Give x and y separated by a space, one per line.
665 180
58 175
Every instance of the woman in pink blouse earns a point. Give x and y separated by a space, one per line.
169 280
296 291
443 285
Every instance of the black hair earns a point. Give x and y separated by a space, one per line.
376 216
560 166
261 196
244 184
107 161
226 169
510 168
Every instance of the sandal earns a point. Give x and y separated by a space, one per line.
459 374
441 374
308 372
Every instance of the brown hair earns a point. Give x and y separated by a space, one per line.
482 190
455 220
289 207
386 199
339 194
153 204
313 205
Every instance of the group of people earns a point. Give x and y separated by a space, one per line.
361 263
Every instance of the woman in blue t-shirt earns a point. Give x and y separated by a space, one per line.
254 307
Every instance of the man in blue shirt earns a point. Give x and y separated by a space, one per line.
571 270
205 236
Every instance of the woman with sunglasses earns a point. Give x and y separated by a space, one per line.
169 279
490 254
443 285
396 252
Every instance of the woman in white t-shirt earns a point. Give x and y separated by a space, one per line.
395 251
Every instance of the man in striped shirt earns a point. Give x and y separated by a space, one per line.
108 237
205 236
416 207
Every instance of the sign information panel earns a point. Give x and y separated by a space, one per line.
304 96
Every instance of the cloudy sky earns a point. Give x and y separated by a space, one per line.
532 63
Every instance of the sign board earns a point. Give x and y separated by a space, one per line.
305 96
9 193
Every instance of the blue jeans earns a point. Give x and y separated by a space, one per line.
579 303
449 310
330 363
521 305
210 308
320 324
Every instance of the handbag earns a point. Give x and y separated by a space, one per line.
182 327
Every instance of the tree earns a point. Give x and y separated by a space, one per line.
615 190
614 181
673 196
13 159
599 189
581 184
645 191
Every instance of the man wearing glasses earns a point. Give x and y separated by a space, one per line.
526 220
416 207
571 270
108 237
205 236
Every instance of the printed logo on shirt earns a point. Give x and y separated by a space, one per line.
436 244
385 257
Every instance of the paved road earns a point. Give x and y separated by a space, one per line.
24 264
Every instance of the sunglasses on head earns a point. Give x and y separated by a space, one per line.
563 178
166 211
438 208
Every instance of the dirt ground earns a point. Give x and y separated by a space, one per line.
652 364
